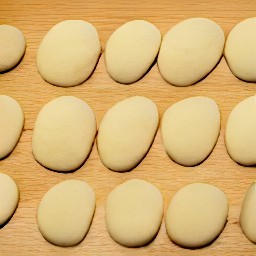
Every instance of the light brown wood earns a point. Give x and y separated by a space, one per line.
21 236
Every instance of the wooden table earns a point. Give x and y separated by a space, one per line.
21 236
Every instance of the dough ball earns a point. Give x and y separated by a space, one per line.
240 135
13 46
68 53
134 213
126 133
190 129
65 213
240 50
131 50
196 215
9 197
64 133
190 50
11 124
248 213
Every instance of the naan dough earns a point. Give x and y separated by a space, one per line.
68 53
134 213
190 50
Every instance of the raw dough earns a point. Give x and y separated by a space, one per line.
13 45
190 129
68 53
65 213
134 213
64 134
196 215
9 197
240 134
126 133
11 123
131 50
240 50
190 50
248 213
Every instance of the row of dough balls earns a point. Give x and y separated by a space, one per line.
65 131
196 214
69 52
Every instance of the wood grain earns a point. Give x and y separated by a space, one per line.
21 236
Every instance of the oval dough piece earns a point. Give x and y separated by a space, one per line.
64 134
65 213
134 213
126 133
248 213
131 50
11 124
190 50
240 134
196 215
68 53
9 197
190 129
13 45
240 50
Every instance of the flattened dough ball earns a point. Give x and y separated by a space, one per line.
11 124
64 134
248 213
240 137
12 47
190 50
196 215
134 213
65 213
131 50
126 133
240 50
9 197
190 129
68 53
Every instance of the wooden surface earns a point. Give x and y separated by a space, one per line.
21 236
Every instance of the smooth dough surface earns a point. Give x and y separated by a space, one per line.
196 215
11 124
131 50
240 50
64 134
65 213
68 53
126 133
12 47
134 213
190 129
248 213
190 50
9 197
240 134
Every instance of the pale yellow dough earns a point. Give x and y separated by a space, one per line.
240 136
65 213
248 213
64 133
68 53
126 133
11 124
240 50
9 197
131 50
134 213
190 50
190 129
196 215
12 47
